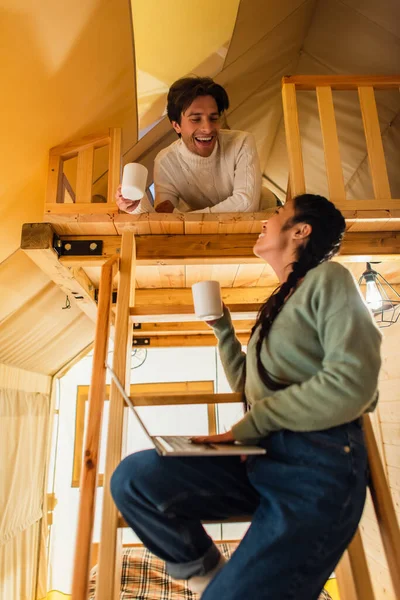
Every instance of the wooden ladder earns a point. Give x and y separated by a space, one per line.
352 573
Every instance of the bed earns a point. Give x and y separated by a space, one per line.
144 577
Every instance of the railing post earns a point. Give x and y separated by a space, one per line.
114 164
293 141
373 138
331 144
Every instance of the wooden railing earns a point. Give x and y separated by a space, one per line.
323 86
85 208
84 150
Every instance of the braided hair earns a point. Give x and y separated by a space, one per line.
327 230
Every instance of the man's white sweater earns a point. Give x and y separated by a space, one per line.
227 181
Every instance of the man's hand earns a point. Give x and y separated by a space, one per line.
165 207
124 204
220 438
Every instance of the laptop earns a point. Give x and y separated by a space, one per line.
181 445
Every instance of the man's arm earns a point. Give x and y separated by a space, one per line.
247 182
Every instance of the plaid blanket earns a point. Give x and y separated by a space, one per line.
144 577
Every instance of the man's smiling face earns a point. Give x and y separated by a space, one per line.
199 126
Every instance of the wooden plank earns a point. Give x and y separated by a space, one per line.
293 140
188 341
391 433
172 276
114 164
359 567
392 454
171 313
84 176
84 209
390 412
345 580
89 470
37 243
212 419
189 328
373 138
225 274
110 539
228 249
186 399
343 82
248 275
330 139
183 296
384 507
70 149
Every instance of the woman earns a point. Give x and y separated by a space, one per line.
310 372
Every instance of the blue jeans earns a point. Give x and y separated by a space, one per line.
306 497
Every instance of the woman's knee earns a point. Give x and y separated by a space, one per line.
130 475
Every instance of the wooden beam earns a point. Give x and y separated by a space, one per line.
37 243
114 164
70 149
182 341
183 296
185 399
343 82
226 249
169 313
188 328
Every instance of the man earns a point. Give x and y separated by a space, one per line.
209 169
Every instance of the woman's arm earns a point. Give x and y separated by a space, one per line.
344 388
230 350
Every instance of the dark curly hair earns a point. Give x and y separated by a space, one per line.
327 230
182 93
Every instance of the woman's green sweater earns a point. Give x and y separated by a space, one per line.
324 343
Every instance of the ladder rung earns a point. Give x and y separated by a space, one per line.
192 398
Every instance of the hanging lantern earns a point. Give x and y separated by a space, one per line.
381 297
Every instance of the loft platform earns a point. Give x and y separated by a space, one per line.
84 174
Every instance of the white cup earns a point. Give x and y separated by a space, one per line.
207 300
134 181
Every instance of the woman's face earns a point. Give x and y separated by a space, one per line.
274 237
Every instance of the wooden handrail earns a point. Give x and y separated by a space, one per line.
88 483
83 149
343 82
323 85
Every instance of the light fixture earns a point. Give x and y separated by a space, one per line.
381 297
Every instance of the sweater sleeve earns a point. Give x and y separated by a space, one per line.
246 184
143 207
230 350
342 390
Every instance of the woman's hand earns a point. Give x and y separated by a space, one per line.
220 438
211 323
